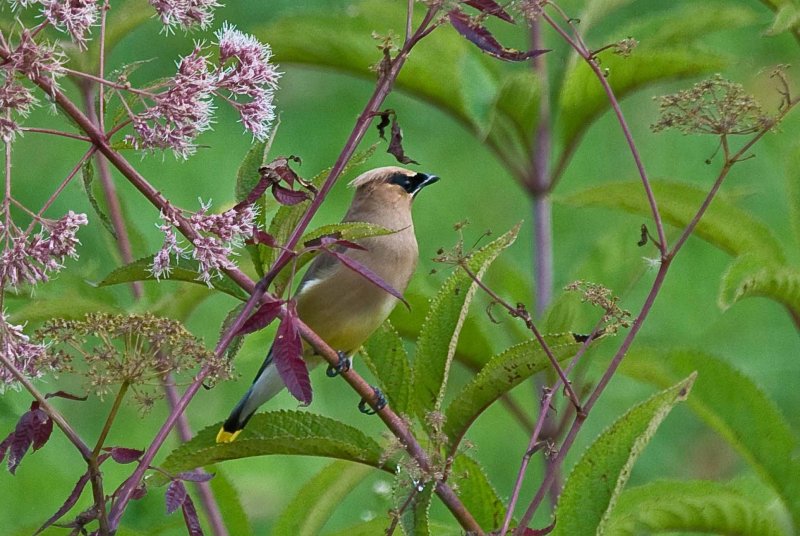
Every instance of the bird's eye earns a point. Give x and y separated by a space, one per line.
403 181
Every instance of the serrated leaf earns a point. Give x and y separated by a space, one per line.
248 176
737 409
183 270
583 99
724 225
73 497
87 173
237 341
415 519
477 493
502 373
748 277
595 483
438 339
388 360
277 432
287 353
175 496
690 506
319 498
351 230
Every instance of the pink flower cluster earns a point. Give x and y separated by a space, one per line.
245 78
16 347
185 13
31 259
220 235
76 17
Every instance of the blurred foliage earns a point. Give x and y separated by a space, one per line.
472 119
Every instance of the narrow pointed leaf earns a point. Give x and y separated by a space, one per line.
415 519
195 476
87 173
739 410
183 270
396 144
366 273
277 432
287 352
248 177
501 374
289 197
124 455
175 495
319 498
386 357
190 517
749 277
439 336
724 224
490 7
265 314
74 495
691 506
483 39
595 483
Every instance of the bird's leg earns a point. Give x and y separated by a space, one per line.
380 402
342 366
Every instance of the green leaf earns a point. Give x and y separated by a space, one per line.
684 24
352 230
388 360
516 108
595 483
596 10
737 409
690 506
367 528
235 518
297 433
503 372
437 341
478 91
583 99
236 343
724 225
477 493
183 270
415 519
787 19
181 305
71 304
87 172
748 277
793 191
319 498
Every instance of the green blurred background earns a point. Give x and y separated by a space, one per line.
317 110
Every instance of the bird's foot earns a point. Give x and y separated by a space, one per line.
380 403
342 366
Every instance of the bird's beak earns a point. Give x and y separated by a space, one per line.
421 180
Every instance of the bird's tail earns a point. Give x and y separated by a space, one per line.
267 384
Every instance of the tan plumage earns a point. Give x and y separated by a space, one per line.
340 305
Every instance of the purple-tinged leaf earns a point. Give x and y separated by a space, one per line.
37 424
191 519
263 237
368 274
139 491
175 496
68 504
20 442
254 194
484 39
261 318
69 396
289 197
490 7
124 455
195 476
396 144
326 241
540 532
287 350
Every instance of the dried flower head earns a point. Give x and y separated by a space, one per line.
531 9
75 17
135 350
614 317
715 106
185 14
31 259
625 47
29 358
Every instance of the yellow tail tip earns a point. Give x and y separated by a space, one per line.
223 436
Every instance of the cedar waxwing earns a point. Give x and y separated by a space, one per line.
340 305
